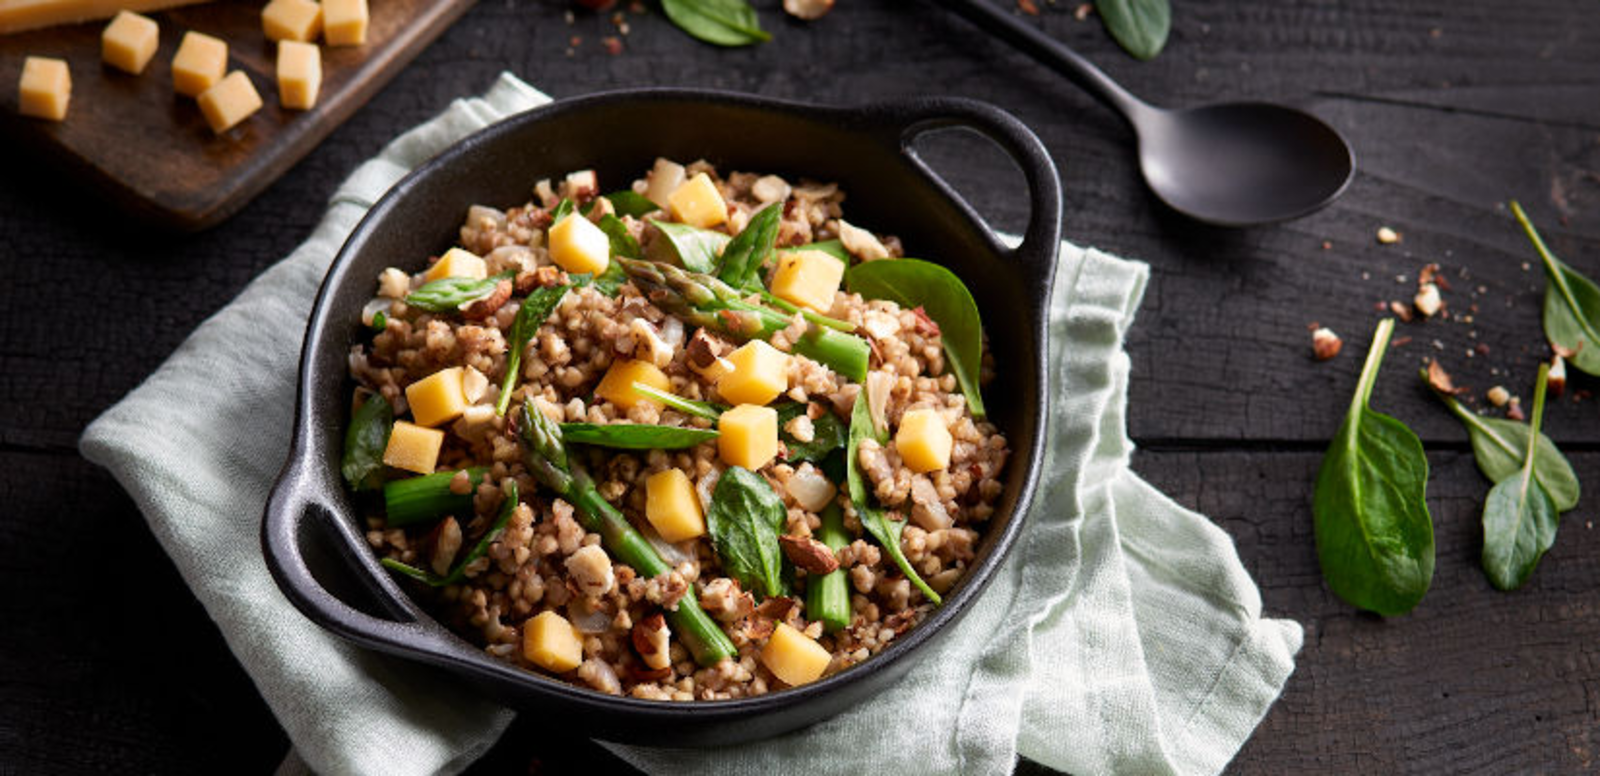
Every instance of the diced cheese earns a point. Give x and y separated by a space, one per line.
759 372
808 279
457 263
617 386
551 643
793 656
298 20
748 436
231 101
344 22
45 88
199 64
299 74
129 41
671 506
924 441
19 15
438 398
698 203
413 448
579 246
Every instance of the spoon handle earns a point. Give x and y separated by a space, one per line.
1052 53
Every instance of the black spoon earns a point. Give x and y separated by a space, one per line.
1234 164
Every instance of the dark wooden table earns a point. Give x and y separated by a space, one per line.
107 663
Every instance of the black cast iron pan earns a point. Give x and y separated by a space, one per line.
312 534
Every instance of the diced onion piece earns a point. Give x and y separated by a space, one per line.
810 489
370 311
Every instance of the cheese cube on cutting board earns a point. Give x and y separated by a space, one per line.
229 102
45 88
551 643
457 263
298 20
924 441
793 656
748 436
19 15
344 22
671 506
200 63
129 42
579 246
698 203
413 447
300 76
438 398
617 386
808 279
759 373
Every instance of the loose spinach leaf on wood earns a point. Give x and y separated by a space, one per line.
913 283
748 250
745 519
1571 304
631 203
636 436
722 22
885 531
1519 517
1374 533
459 571
1498 445
364 443
448 295
535 309
696 250
1139 26
827 434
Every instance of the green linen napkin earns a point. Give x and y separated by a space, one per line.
1123 635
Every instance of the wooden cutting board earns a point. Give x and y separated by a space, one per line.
150 151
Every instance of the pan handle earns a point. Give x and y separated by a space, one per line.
910 120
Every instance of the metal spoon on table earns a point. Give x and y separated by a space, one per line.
1234 164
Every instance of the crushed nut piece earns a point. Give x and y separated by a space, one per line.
1028 7
1557 379
1428 301
1388 236
1514 410
485 307
1325 344
1401 311
1082 11
1498 396
809 10
809 554
1440 379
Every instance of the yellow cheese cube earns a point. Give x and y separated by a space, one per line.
45 88
298 20
413 448
300 75
617 386
438 398
670 504
344 22
129 42
758 373
19 15
579 246
457 263
808 279
793 657
748 436
698 203
229 102
199 64
924 441
551 643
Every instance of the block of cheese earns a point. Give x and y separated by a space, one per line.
129 42
794 657
808 279
438 398
19 15
299 20
579 246
760 372
671 506
924 441
457 263
45 88
344 22
617 386
199 64
413 447
748 436
299 74
231 101
698 203
550 642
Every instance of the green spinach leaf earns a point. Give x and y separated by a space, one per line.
746 252
631 203
364 443
1374 533
827 434
1519 518
636 436
622 243
563 209
885 531
1498 444
833 248
459 571
533 313
696 250
448 295
720 22
913 283
1139 26
744 521
1571 304
702 409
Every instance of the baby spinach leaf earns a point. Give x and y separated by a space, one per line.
1498 444
721 22
745 519
885 531
459 571
749 249
365 441
913 283
563 209
1139 26
833 248
636 436
1374 533
535 309
448 295
696 250
1519 518
827 434
1571 304
631 203
622 243
702 409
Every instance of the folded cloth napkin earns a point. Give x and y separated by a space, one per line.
1122 635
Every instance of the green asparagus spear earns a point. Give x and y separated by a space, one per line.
427 498
546 457
828 596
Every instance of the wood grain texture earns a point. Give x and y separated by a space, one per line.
150 151
1231 412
